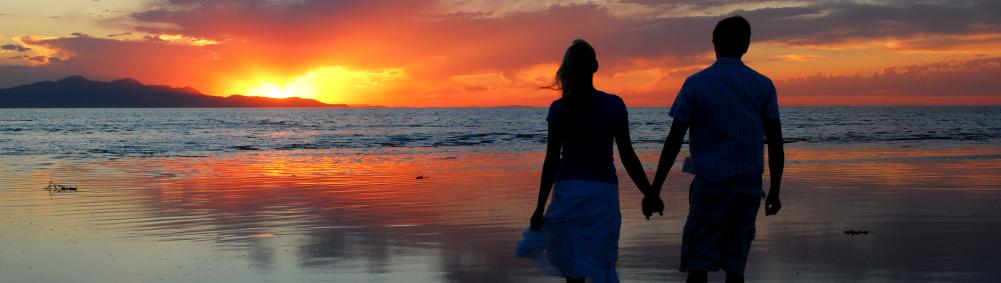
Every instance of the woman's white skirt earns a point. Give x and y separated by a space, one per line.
580 231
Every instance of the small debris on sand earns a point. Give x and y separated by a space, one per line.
422 177
854 232
53 187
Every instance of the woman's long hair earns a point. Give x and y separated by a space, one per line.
575 79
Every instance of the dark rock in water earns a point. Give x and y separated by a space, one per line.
53 187
422 177
854 232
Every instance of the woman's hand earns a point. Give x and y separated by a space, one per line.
651 205
536 221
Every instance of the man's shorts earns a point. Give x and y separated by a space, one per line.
720 224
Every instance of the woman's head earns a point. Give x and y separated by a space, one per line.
575 75
575 80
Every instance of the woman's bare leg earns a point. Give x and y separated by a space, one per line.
697 277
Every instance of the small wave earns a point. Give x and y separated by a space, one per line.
299 146
278 123
245 147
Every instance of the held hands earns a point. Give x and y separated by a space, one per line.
772 204
651 200
652 204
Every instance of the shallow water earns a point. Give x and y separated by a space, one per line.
350 215
305 195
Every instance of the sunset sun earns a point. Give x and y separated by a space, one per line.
333 84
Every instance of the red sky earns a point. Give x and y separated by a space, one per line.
493 53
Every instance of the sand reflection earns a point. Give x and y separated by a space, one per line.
337 215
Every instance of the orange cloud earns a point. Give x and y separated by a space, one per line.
484 53
954 82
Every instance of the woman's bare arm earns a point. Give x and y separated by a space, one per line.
629 159
549 167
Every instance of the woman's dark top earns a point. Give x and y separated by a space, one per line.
587 144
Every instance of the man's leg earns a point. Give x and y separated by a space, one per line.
697 277
703 234
740 229
733 277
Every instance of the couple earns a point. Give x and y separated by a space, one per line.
728 108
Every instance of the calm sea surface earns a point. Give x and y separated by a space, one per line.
331 195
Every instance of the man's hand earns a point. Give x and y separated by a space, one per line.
536 221
651 205
772 204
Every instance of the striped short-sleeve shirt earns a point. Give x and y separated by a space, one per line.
725 107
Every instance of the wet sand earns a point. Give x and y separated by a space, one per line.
363 216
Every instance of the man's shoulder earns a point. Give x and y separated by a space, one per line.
756 75
713 73
700 75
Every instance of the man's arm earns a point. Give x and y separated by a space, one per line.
672 145
776 163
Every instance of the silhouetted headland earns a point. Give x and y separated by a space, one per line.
79 92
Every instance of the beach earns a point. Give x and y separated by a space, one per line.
414 211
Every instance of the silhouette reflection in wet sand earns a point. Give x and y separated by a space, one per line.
335 217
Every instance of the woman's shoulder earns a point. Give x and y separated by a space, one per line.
556 104
554 109
610 99
608 96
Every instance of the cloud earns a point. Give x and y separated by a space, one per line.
797 57
107 59
18 74
14 47
837 22
677 30
645 47
39 59
953 78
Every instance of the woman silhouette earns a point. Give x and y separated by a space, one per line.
581 226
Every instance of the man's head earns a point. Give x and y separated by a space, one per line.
731 37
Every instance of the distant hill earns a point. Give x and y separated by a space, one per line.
78 92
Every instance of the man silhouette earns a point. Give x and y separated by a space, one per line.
728 108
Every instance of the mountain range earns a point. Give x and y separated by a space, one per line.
79 92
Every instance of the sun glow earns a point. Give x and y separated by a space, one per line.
333 84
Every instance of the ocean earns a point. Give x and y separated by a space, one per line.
333 195
118 133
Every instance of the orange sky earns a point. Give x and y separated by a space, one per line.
495 53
